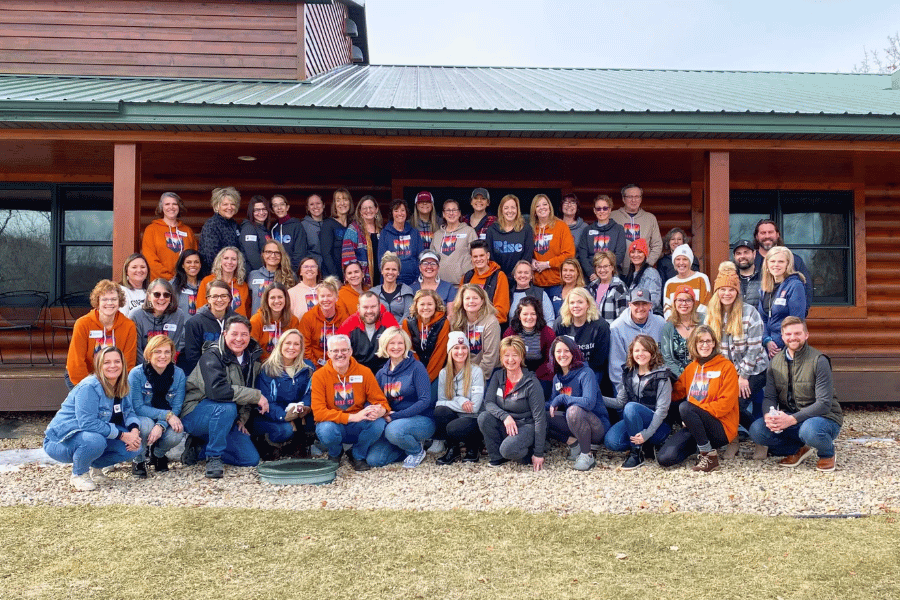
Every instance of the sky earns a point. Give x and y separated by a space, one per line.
760 35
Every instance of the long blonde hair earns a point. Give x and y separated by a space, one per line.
565 314
274 365
579 274
734 326
240 273
451 372
112 389
768 281
284 273
516 224
460 320
551 221
417 220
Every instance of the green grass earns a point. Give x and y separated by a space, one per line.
150 553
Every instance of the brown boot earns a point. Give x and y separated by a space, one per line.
760 452
732 449
709 461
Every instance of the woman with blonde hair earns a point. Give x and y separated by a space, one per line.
571 277
407 388
361 239
678 328
276 268
334 229
553 244
460 396
474 315
322 321
510 238
395 296
273 317
220 230
579 319
424 218
514 420
428 326
96 426
607 289
229 267
781 294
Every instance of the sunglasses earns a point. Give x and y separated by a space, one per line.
162 295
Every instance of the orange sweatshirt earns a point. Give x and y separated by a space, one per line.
438 358
501 293
240 292
712 386
335 397
348 298
89 336
315 329
553 244
162 245
267 334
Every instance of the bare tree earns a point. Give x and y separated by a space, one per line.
887 61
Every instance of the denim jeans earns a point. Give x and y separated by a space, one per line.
166 442
401 438
816 432
361 434
635 418
266 424
214 423
86 449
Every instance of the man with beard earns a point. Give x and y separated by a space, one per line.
365 327
767 236
744 254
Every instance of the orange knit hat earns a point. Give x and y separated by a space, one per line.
727 276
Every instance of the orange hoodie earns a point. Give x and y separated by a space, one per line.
712 386
439 354
335 397
240 293
348 298
267 334
501 294
162 245
89 336
553 244
315 329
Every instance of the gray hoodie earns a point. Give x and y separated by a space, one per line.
621 333
148 325
313 238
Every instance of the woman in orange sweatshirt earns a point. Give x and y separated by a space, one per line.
322 321
166 238
711 413
553 244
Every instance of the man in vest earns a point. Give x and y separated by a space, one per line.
801 413
487 274
364 328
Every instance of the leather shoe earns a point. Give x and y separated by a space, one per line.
796 458
358 465
826 465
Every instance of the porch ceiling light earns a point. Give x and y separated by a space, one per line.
247 158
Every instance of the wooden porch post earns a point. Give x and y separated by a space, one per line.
716 210
126 203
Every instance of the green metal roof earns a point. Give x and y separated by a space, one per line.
473 101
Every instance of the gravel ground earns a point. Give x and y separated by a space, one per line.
866 482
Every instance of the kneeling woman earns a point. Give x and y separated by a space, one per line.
577 414
711 413
157 393
460 395
514 422
408 390
96 425
644 397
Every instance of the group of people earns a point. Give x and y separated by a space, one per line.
462 336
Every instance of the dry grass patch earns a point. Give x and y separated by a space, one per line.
150 553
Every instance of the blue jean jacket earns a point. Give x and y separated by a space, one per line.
88 408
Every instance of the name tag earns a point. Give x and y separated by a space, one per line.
268 328
780 302
593 232
117 408
499 393
181 233
461 235
355 379
478 328
477 389
482 236
558 386
257 282
250 238
170 327
95 334
548 237
713 374
404 238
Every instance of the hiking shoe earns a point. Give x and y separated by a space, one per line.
337 458
215 468
437 447
99 477
139 469
414 460
317 451
584 462
83 483
574 451
497 462
709 461
191 454
795 459
826 465
359 464
635 460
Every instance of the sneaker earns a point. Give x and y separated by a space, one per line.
139 469
709 461
359 464
574 451
795 459
635 460
451 456
732 449
414 460
83 483
437 447
498 462
191 454
584 462
99 477
826 465
215 469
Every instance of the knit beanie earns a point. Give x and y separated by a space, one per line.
727 276
454 338
683 250
640 244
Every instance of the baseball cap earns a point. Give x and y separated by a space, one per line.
482 192
424 197
640 294
741 243
429 254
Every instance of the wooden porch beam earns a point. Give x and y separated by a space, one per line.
126 203
716 210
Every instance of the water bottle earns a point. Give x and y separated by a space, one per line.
772 412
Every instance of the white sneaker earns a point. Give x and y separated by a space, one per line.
437 447
414 460
99 476
585 462
83 483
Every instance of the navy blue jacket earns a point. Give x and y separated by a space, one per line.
405 244
407 388
579 388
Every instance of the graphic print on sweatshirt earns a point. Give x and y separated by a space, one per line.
700 385
632 231
173 241
475 334
311 300
192 303
392 389
448 244
601 242
343 395
236 301
427 235
402 246
542 242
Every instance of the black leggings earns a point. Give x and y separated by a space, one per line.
455 428
700 428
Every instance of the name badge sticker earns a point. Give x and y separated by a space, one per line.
95 334
780 302
170 327
558 385
355 379
477 389
479 328
713 374
268 328
117 408
250 238
181 233
257 282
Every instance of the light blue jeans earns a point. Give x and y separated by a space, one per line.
214 423
815 432
635 418
361 434
87 449
166 442
401 438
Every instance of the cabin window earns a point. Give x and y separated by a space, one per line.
817 225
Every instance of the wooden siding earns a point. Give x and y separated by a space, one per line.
326 45
242 40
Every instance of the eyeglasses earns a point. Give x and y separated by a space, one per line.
271 252
705 342
429 264
684 301
601 209
219 297
162 295
339 351
630 197
451 210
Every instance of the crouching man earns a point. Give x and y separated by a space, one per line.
801 414
347 404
